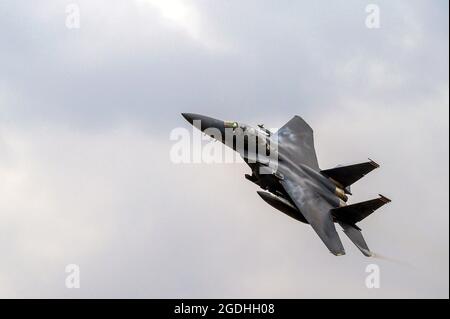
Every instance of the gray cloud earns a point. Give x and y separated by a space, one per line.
85 175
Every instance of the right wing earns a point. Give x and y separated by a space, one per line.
316 211
296 141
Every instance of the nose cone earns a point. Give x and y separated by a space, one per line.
189 117
204 123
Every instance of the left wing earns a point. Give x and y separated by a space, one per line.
316 211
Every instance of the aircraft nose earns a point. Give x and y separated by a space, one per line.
189 117
203 122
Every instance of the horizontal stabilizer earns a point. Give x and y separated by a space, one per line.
356 237
347 175
355 213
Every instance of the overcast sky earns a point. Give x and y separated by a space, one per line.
85 120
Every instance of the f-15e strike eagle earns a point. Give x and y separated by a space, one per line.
293 182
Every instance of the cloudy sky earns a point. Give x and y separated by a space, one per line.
85 119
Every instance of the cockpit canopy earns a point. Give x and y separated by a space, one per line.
261 130
243 128
233 125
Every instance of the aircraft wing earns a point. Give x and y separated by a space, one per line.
296 141
316 211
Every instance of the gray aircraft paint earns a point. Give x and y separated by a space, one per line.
297 186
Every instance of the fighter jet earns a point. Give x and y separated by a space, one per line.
284 164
